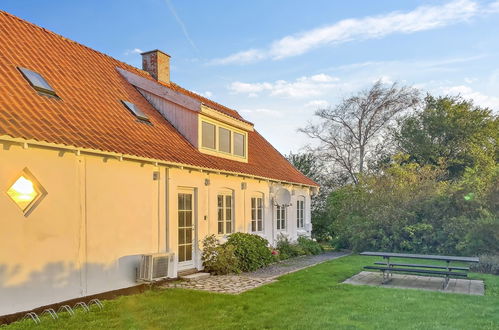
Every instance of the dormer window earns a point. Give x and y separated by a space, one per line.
208 135
136 111
37 81
223 140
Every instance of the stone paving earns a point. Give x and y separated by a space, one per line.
235 284
464 286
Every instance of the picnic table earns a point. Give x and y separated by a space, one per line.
447 270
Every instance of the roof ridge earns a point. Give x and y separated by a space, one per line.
69 40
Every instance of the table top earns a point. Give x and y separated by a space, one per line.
420 256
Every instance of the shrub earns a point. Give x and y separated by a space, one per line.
309 246
219 259
251 251
288 249
488 264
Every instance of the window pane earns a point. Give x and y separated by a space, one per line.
229 227
220 214
36 80
188 235
181 236
253 214
220 227
228 201
253 202
223 139
188 202
239 145
181 253
188 252
188 218
253 225
220 200
208 135
260 225
181 219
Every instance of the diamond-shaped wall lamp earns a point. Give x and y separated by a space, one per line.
26 192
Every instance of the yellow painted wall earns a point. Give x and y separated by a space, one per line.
99 216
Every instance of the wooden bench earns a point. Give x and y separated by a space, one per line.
446 271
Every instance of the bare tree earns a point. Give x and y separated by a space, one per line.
356 130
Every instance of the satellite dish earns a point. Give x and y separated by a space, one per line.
282 197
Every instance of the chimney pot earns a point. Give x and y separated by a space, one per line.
157 63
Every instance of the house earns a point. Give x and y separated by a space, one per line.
102 162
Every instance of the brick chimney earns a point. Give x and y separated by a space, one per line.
157 63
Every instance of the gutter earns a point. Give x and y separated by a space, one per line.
155 162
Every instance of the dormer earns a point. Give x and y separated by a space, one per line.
212 131
222 135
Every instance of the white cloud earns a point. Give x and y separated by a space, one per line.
370 27
318 104
478 98
302 87
262 111
133 51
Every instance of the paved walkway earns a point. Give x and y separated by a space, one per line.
235 284
464 286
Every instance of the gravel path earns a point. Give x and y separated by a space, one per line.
293 265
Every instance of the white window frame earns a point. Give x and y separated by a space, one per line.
254 214
224 209
300 212
216 151
281 218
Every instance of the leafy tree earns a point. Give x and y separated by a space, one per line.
454 132
356 129
312 166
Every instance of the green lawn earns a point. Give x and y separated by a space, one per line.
313 298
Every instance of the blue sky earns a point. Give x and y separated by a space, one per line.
277 61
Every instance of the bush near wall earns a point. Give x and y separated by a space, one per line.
252 251
303 246
240 253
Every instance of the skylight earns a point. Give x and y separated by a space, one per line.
37 81
135 110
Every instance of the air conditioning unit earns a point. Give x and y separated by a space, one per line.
154 266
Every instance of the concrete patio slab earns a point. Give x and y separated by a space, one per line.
401 281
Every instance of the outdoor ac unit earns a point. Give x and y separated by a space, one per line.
155 266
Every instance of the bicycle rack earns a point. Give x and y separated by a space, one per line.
82 305
95 302
51 312
33 316
67 308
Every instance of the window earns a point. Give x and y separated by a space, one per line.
300 212
26 192
225 221
37 81
135 110
224 140
281 217
239 145
256 214
208 132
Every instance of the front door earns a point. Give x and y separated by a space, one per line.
186 227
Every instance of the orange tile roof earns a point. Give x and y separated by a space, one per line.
89 113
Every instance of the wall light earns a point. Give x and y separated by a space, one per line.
26 192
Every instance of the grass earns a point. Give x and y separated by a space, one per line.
313 298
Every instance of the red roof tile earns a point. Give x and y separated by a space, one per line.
89 113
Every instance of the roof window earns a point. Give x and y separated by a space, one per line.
37 81
136 111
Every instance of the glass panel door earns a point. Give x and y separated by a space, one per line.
185 227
